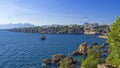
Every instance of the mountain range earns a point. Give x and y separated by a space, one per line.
19 25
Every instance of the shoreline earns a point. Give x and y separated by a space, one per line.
100 36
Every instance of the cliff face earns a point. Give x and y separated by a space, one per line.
64 29
52 30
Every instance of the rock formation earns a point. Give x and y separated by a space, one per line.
82 49
47 61
56 58
70 60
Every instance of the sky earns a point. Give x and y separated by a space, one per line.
47 12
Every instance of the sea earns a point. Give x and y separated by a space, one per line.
27 50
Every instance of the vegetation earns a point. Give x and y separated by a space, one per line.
114 40
64 63
94 57
90 62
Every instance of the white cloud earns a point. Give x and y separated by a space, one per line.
84 19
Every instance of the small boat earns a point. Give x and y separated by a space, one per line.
43 37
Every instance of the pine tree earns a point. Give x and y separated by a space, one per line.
114 40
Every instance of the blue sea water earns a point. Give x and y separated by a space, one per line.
26 50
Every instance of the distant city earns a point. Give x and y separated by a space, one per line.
22 25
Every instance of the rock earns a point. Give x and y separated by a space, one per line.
73 66
74 61
83 48
104 45
58 64
90 47
56 58
109 66
105 50
70 60
75 53
106 66
94 43
100 66
47 61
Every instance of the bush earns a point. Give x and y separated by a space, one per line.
90 62
64 63
93 59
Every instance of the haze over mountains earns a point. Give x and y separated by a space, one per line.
19 25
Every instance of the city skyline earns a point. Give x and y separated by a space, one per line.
47 12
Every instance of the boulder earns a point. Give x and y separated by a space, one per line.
70 60
75 53
82 49
47 61
56 58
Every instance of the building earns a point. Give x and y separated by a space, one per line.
90 26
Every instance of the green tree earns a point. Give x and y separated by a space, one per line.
114 40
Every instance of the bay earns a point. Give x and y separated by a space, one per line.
26 50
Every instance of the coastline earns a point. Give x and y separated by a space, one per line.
102 36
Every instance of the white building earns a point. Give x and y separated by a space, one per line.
90 25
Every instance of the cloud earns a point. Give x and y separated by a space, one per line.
84 19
